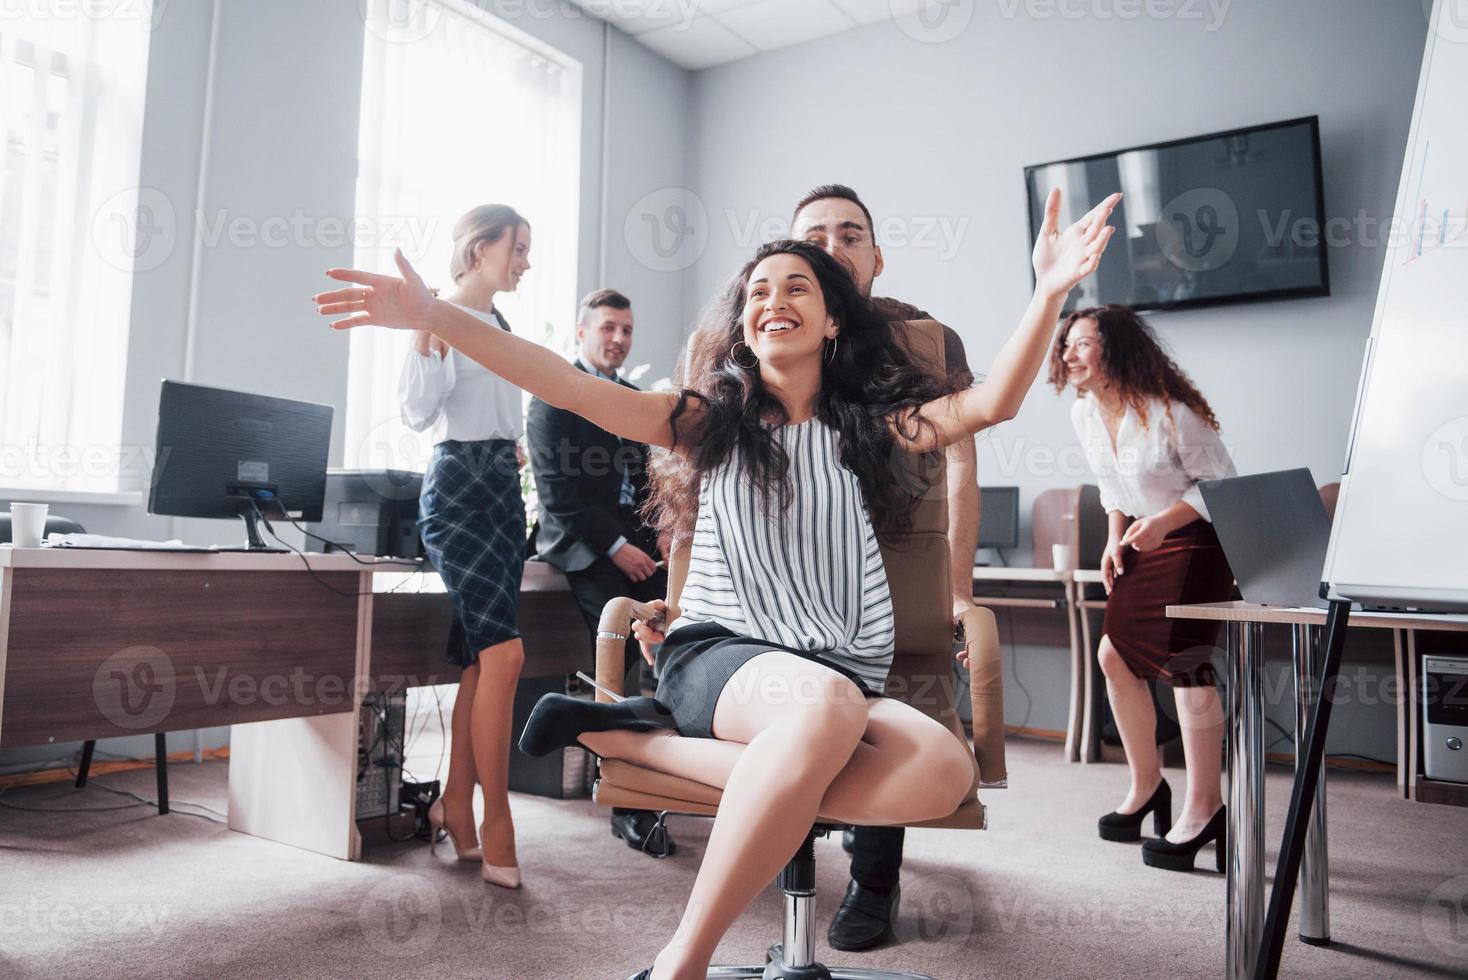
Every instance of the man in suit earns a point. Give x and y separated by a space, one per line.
590 484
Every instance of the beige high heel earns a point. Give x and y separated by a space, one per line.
508 877
436 822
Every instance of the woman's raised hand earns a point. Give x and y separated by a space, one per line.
385 301
1063 257
649 632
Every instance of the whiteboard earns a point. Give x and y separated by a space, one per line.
1401 527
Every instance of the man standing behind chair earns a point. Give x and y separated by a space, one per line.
834 217
590 484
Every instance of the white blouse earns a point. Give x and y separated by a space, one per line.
473 402
1153 468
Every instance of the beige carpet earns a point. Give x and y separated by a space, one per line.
126 893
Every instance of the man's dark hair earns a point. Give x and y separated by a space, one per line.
600 298
832 190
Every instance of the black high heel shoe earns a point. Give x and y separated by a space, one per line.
1179 857
1128 826
557 720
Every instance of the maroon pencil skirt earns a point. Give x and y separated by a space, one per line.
1189 566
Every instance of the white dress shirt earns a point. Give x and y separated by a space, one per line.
1151 468
473 402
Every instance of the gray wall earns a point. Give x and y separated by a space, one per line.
282 139
934 130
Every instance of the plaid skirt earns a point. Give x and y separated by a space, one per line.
472 518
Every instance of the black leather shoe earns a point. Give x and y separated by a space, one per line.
642 832
557 720
848 840
864 920
1128 826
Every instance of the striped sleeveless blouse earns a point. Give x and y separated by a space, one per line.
813 581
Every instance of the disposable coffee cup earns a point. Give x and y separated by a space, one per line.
27 524
1060 555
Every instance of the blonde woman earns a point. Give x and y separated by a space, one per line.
472 518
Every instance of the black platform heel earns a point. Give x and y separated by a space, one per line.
1128 826
1179 857
557 720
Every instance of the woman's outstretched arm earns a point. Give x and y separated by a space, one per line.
1062 258
406 303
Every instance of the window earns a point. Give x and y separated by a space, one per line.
457 110
72 83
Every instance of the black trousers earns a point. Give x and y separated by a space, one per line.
876 857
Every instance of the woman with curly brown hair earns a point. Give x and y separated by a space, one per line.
1150 438
771 677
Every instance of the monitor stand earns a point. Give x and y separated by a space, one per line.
253 540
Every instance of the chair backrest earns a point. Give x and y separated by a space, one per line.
1070 516
55 524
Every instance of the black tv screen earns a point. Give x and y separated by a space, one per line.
1229 217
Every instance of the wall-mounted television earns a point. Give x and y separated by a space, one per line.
1230 217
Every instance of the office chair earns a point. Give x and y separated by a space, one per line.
55 524
917 568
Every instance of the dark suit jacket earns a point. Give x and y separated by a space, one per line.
578 469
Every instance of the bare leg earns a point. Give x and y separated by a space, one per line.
800 723
1136 719
489 731
458 787
1201 716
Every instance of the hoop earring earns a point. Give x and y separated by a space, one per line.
734 356
831 351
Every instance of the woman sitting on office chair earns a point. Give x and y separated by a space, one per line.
1150 437
789 627
472 518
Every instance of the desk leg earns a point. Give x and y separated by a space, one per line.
1245 886
1314 863
1074 750
1090 738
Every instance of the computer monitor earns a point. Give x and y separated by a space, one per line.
998 517
228 454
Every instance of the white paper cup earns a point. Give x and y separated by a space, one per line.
1060 555
27 524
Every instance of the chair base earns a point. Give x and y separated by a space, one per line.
778 971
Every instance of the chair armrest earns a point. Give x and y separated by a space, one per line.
986 690
611 641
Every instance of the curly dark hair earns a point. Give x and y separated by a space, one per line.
1134 360
870 378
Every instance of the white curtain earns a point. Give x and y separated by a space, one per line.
74 226
457 111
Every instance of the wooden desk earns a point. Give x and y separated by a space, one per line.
96 644
1243 624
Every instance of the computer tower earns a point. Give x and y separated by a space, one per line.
370 512
381 728
1445 718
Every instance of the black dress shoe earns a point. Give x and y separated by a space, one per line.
642 832
1128 826
557 720
1179 857
864 920
848 840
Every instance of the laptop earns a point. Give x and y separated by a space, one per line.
1274 531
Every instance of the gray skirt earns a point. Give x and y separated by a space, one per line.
697 660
